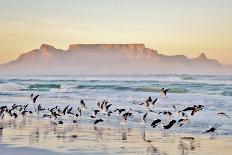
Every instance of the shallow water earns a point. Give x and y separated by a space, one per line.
214 92
86 139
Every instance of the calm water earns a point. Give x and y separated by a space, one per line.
214 92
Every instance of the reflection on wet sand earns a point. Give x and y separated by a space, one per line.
187 144
72 137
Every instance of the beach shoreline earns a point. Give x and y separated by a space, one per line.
38 135
115 135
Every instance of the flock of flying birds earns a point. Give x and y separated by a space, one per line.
103 108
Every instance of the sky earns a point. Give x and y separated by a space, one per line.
172 27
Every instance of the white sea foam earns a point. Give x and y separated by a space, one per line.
10 87
63 89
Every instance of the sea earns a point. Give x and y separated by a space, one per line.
125 91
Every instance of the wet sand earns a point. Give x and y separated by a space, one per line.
37 136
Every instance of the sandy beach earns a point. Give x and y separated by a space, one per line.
33 136
36 134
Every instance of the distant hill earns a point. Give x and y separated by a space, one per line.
109 59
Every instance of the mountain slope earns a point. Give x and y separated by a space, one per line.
109 59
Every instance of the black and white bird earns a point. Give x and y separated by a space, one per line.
65 109
155 123
189 108
119 111
70 111
104 106
149 99
144 119
168 113
107 107
154 101
193 109
40 108
174 107
210 130
149 102
125 118
94 114
183 121
79 110
145 103
83 106
170 124
223 114
98 121
163 92
34 98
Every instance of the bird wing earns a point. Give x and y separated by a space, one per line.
165 91
35 98
64 111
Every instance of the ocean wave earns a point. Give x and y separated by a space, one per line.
66 88
44 86
62 89
147 89
227 93
112 87
172 90
5 94
10 87
188 78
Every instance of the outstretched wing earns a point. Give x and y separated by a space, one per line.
35 98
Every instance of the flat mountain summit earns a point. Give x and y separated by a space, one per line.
109 59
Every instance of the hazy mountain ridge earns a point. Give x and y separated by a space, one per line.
109 59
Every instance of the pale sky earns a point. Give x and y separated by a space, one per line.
172 27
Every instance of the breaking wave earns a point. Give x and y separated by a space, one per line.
124 88
62 89
112 87
44 86
227 93
10 87
172 90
